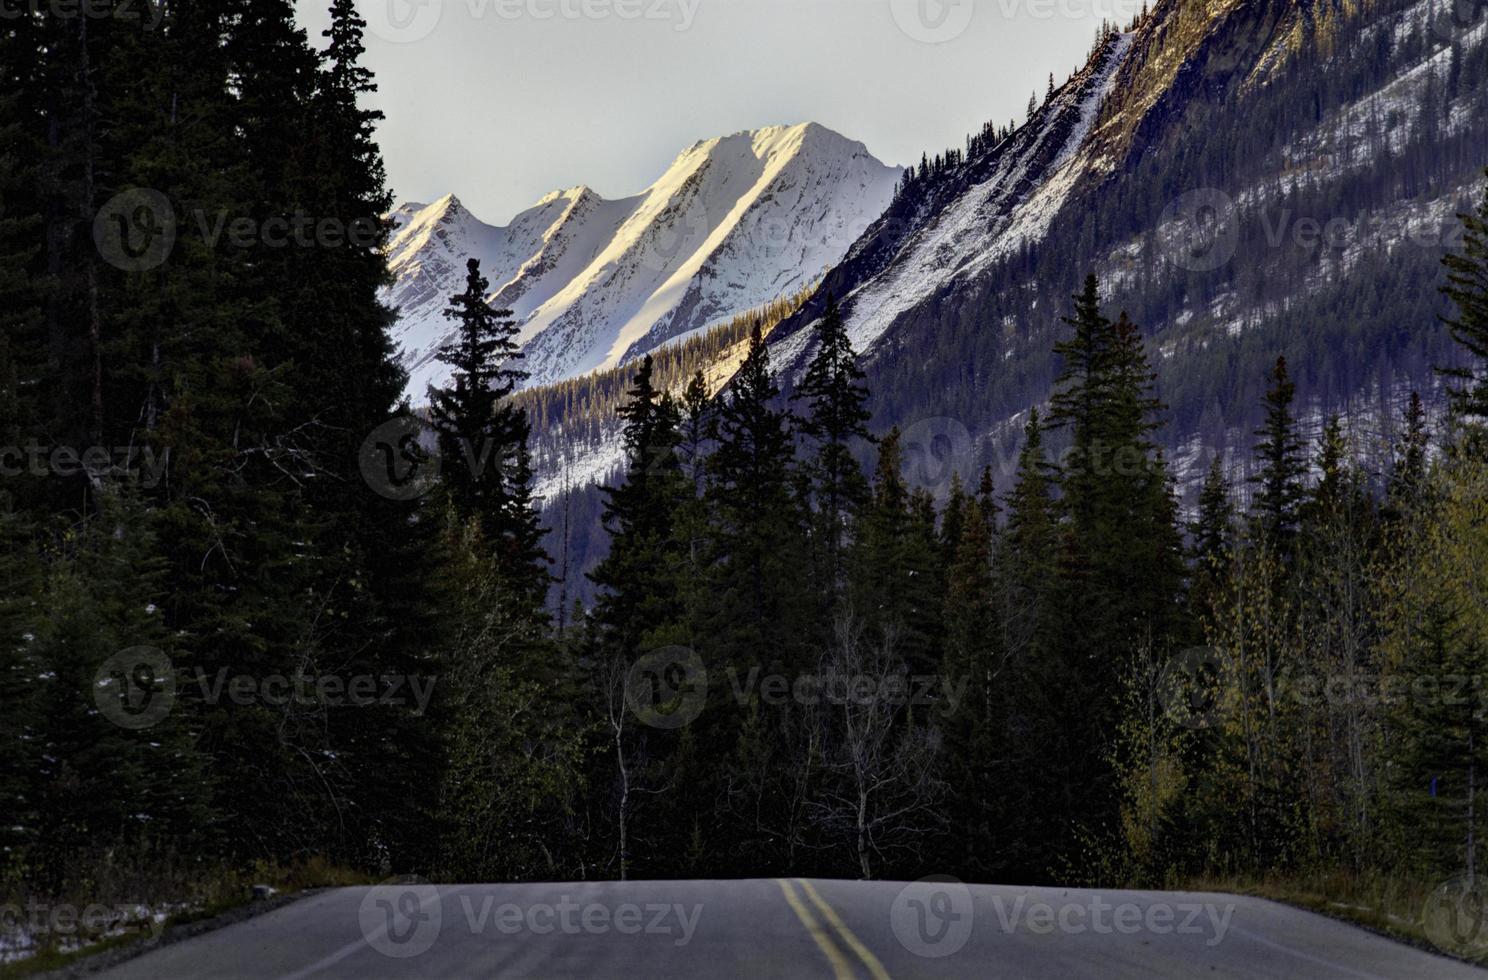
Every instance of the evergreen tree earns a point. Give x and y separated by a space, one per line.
638 594
1467 287
1213 532
971 710
953 520
521 554
762 622
1409 465
987 498
1022 708
501 805
1434 630
759 611
1031 536
1081 392
694 525
1213 539
1335 474
836 416
119 776
21 675
1279 482
484 440
477 430
641 608
893 580
1121 555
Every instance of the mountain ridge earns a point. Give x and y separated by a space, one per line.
735 222
955 305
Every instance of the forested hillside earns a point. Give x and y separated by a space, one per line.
1249 180
1254 180
193 353
577 442
260 622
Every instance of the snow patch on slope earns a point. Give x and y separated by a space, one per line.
981 227
734 223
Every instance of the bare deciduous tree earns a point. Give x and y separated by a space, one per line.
881 791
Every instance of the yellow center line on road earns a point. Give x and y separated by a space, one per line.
841 969
864 953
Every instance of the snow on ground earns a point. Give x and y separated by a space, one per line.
582 465
1387 118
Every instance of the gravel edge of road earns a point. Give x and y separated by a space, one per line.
1342 914
106 959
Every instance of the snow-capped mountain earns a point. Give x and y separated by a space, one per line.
734 223
1248 178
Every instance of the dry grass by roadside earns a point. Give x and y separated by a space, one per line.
1391 907
186 907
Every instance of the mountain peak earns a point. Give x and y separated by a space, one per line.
569 194
735 222
448 206
774 142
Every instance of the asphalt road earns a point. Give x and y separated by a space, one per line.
783 928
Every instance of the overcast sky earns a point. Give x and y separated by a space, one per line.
501 101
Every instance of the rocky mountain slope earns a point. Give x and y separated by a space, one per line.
1249 178
734 223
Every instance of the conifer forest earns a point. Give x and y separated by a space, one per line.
271 620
